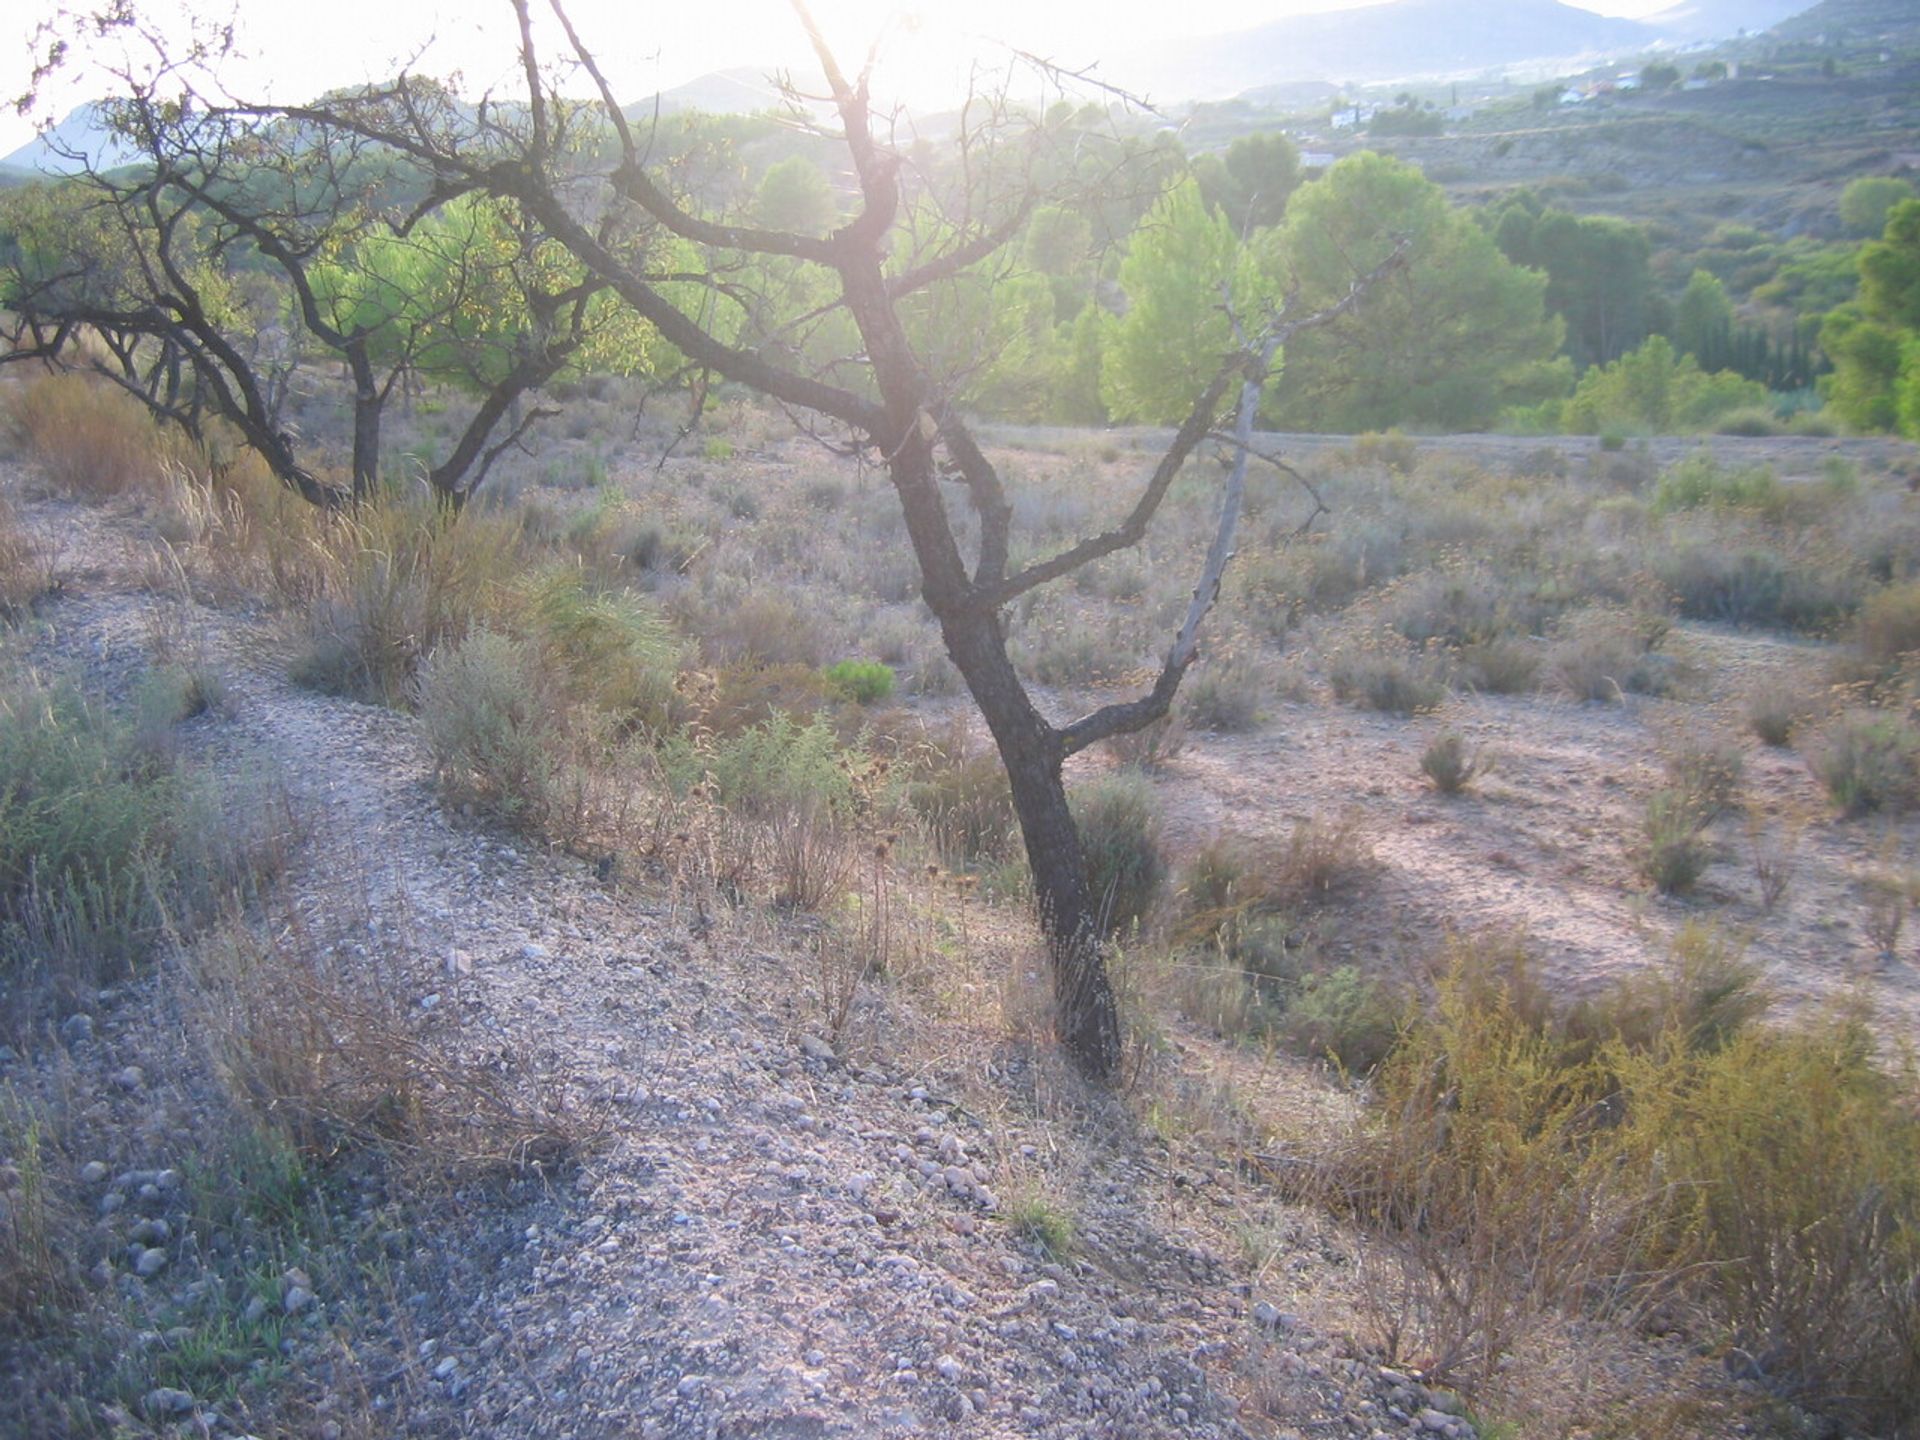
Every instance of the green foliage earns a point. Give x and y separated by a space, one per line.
1118 818
1251 183
1599 279
1875 343
1045 1222
1406 118
1346 1015
1458 334
1702 317
795 196
862 681
1648 391
1182 265
104 835
1865 202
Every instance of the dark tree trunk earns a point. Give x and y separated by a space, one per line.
1033 752
368 402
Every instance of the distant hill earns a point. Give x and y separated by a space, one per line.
742 90
83 133
1400 39
1722 19
1857 22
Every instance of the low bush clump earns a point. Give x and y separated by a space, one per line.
1887 633
960 791
1119 822
1654 1146
491 728
865 682
1386 677
1673 851
1869 760
399 579
1603 654
1345 1015
1447 764
1708 773
611 650
26 573
1775 711
1700 481
773 768
102 838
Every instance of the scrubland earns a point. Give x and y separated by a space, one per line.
1510 920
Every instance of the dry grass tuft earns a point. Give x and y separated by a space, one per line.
89 438
314 1039
26 566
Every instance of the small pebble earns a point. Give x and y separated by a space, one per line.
150 1263
165 1402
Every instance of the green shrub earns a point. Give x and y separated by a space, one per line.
611 649
862 681
774 768
1386 677
1754 421
1673 852
1346 1015
105 837
1869 761
1657 1146
1118 818
1699 481
491 728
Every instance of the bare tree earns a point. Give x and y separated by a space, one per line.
587 176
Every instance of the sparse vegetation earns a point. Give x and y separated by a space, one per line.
679 689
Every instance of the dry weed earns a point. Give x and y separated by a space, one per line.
313 1038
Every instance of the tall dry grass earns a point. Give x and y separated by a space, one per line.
90 438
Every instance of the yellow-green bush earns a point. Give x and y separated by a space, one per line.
1652 1144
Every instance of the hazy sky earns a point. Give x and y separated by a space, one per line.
297 48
